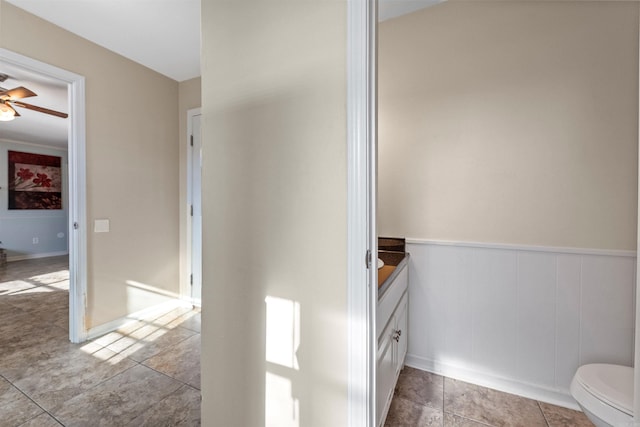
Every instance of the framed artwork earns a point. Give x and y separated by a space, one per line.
35 181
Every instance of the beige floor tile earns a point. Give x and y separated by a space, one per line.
26 341
15 407
56 314
420 387
44 420
179 409
451 420
64 375
564 417
181 361
119 400
12 320
20 324
37 299
31 349
490 406
405 413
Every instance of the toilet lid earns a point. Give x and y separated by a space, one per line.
612 384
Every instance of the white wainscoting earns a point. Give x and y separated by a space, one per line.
517 318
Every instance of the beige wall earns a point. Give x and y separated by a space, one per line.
132 172
511 123
188 98
274 214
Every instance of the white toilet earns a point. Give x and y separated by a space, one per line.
605 394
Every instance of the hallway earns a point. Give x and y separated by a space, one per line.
145 374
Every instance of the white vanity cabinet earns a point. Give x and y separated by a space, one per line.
391 327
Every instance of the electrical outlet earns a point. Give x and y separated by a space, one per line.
36 240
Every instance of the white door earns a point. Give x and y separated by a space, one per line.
196 209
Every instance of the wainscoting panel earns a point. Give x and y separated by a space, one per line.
517 318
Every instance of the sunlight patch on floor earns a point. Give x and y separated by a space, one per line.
102 353
137 334
35 290
174 320
52 277
14 286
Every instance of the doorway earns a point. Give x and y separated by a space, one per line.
77 226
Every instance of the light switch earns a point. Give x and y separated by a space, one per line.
101 226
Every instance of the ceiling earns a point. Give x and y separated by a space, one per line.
163 35
31 126
133 28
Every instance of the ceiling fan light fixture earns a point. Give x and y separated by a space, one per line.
6 113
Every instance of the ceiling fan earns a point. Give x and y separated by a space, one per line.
11 98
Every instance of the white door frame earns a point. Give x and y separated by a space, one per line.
361 209
77 186
190 199
636 382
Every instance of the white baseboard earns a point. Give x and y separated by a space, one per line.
34 256
530 391
156 310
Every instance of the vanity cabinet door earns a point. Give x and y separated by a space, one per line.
401 333
386 373
392 342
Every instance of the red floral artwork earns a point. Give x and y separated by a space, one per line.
24 174
42 192
42 180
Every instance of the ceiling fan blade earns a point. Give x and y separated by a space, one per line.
39 109
17 93
15 113
7 112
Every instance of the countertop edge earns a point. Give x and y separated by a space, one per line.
401 266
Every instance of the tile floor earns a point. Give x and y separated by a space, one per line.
425 399
146 374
